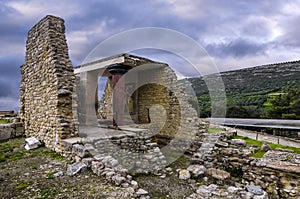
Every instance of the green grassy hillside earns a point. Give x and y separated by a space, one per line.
249 90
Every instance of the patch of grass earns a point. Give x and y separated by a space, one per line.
259 153
22 186
5 121
50 175
17 156
32 166
267 104
249 141
8 152
6 147
214 130
275 94
68 186
93 191
13 150
45 193
48 153
2 158
296 150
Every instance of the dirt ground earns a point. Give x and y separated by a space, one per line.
31 174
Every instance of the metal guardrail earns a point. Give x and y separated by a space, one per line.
259 123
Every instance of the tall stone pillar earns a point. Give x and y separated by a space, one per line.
47 84
88 91
119 95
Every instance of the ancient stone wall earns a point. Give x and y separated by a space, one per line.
162 94
171 94
279 177
13 128
162 101
47 84
105 108
277 172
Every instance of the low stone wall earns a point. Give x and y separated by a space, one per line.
279 179
5 114
136 154
13 128
277 172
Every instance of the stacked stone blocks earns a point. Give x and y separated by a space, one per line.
47 83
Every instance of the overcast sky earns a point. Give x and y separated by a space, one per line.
235 33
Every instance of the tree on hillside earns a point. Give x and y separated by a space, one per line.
285 105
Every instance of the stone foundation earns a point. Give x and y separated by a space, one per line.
277 172
136 154
11 130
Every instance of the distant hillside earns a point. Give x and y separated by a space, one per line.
247 89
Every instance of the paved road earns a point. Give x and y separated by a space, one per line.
266 137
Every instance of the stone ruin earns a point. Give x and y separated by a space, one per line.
12 127
58 107
58 99
47 82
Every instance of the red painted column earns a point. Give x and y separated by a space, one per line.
118 99
119 96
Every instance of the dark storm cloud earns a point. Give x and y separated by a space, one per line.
235 33
12 32
10 76
238 48
118 17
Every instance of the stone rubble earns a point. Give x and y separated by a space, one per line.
256 190
136 154
218 174
265 147
238 142
184 174
197 170
58 174
32 143
76 168
230 192
274 175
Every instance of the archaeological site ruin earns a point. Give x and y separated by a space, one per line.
141 123
58 99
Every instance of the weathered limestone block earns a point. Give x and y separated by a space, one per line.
184 174
197 170
76 168
5 131
218 174
31 143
